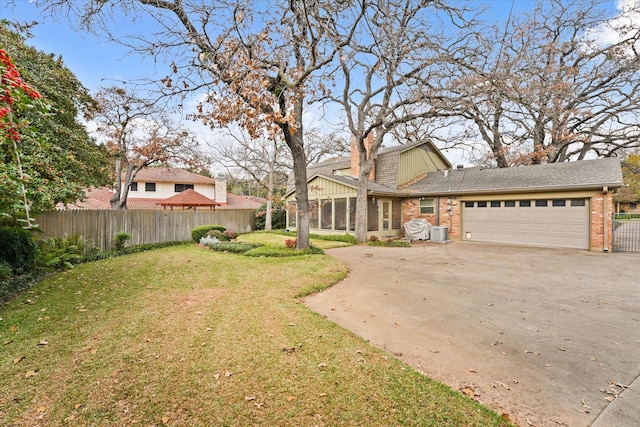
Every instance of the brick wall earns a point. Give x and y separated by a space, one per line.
599 228
448 218
355 159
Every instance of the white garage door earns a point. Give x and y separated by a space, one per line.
550 222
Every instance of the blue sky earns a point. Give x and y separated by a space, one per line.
100 63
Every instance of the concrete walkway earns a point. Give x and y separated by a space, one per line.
546 336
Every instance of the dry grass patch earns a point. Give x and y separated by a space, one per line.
183 336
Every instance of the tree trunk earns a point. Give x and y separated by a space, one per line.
366 164
294 140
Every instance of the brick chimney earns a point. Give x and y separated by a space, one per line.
355 164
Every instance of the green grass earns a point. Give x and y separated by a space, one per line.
185 336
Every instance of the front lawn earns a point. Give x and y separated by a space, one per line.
184 336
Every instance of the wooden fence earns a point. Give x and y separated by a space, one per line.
145 226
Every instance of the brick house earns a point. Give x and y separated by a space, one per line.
551 205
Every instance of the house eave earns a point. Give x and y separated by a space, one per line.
599 186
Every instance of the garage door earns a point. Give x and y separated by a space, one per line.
550 222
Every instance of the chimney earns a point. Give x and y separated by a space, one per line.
221 189
355 164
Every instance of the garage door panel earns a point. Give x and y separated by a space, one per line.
557 226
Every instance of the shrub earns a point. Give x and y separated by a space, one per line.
5 271
217 234
232 247
131 250
60 254
291 243
231 234
278 216
120 241
18 249
280 252
395 243
373 238
199 232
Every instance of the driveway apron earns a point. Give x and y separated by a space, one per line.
547 337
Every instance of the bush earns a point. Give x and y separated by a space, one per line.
120 241
394 243
5 271
131 250
218 235
62 253
278 216
232 247
199 232
231 234
18 249
280 252
291 243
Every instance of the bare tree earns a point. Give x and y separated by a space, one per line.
263 159
549 89
259 58
138 136
390 75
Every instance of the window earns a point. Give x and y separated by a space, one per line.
426 206
525 203
396 214
352 213
372 215
313 214
327 213
558 203
578 202
541 203
133 186
178 188
150 186
510 204
482 204
468 204
632 205
292 214
340 213
495 204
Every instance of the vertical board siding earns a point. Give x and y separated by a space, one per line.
145 226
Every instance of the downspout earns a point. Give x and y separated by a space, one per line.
605 237
438 210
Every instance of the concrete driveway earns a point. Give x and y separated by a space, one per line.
546 336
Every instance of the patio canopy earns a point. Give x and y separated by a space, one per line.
188 199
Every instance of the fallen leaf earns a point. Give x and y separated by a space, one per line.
199 313
473 371
7 342
30 374
17 359
291 398
208 330
322 394
43 342
249 398
360 359
322 365
40 409
609 398
468 391
227 374
165 419
216 376
359 352
77 406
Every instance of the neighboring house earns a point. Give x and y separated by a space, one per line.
154 187
559 205
629 207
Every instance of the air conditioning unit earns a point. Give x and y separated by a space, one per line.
439 234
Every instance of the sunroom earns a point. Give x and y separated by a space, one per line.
332 208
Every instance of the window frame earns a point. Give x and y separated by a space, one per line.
149 187
427 206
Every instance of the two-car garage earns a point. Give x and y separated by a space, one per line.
554 222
